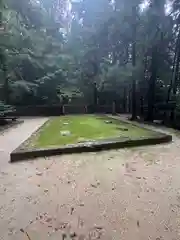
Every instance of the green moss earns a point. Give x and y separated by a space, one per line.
84 128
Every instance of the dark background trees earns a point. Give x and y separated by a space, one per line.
54 51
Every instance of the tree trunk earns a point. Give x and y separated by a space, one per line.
3 64
142 106
174 68
95 95
129 100
125 100
6 83
134 108
176 81
152 85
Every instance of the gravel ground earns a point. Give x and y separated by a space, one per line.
121 194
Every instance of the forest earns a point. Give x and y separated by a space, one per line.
61 51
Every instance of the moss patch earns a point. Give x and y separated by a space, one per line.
84 128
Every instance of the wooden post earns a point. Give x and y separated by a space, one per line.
114 108
95 96
63 110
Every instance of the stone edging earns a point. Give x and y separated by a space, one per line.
18 155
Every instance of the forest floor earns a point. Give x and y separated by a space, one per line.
119 194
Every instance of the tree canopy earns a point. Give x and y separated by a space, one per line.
54 51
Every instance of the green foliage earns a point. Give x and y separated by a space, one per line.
5 109
53 53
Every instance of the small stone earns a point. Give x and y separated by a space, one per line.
93 185
81 140
81 204
166 228
110 169
46 190
128 174
108 122
98 227
138 177
123 129
138 224
39 173
65 133
65 123
48 219
38 185
73 235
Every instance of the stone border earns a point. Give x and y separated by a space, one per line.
19 155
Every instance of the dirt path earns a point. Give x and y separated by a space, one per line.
124 194
11 138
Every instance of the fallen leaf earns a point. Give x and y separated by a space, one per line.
22 230
72 210
49 219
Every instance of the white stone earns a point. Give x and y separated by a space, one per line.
65 133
